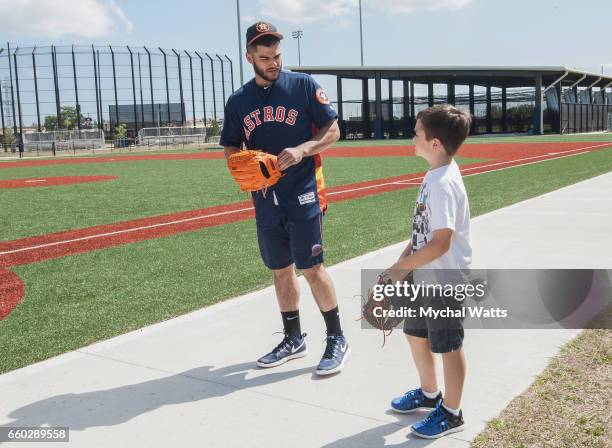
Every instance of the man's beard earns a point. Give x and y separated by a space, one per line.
262 73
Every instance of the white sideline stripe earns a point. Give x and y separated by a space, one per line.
474 168
152 226
118 232
525 164
535 157
36 180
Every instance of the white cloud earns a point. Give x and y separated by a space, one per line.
342 12
129 26
308 11
410 6
52 19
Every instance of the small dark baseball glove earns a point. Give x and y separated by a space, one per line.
372 310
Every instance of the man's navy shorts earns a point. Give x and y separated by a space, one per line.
284 241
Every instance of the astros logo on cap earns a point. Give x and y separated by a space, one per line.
262 27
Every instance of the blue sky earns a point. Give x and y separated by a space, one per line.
396 32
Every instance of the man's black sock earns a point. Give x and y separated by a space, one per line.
332 322
291 323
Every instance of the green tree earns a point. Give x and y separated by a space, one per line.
8 139
69 119
120 132
215 128
51 123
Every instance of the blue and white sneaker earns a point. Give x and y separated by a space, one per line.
438 423
290 347
413 400
335 355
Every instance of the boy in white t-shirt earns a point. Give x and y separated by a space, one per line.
440 241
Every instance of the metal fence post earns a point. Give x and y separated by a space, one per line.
35 89
76 90
133 90
151 86
231 71
142 120
100 88
212 73
180 73
2 107
115 87
167 86
192 93
12 93
222 78
56 84
18 99
203 89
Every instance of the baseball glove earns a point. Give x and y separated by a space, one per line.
384 323
254 170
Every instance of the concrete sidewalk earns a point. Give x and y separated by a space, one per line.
192 381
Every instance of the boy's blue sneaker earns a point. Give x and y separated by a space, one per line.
289 348
413 400
438 423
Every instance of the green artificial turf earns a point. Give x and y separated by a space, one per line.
150 188
76 300
524 139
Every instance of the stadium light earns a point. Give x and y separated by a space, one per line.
361 33
298 35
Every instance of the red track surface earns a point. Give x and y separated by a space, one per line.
51 181
45 247
11 292
481 150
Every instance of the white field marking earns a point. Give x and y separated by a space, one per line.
412 179
373 186
525 164
118 232
34 180
535 157
406 182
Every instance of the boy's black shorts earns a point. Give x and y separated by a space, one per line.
445 334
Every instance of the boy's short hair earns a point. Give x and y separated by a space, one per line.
267 41
448 124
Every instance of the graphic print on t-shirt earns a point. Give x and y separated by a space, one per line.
420 222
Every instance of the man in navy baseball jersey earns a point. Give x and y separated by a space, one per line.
289 115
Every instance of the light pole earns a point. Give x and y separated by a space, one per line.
361 33
298 35
239 41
